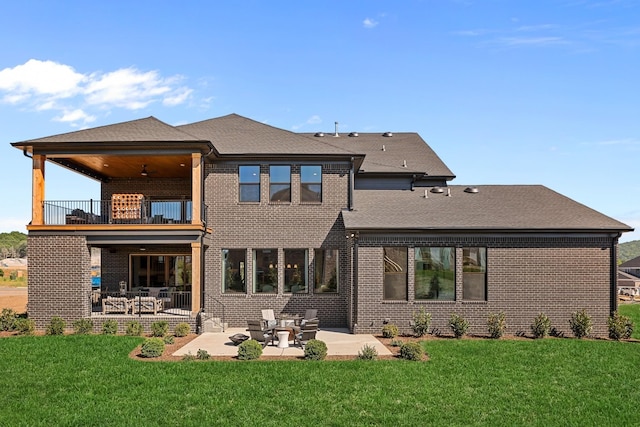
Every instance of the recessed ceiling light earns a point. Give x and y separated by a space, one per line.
182 164
106 165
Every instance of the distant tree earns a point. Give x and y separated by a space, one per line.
13 245
628 250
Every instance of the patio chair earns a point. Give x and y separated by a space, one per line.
115 305
269 318
307 332
259 333
309 315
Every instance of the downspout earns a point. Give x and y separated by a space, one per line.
351 176
26 153
613 293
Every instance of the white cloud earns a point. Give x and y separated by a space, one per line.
369 23
532 41
313 120
47 85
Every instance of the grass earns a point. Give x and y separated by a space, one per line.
89 380
633 312
6 280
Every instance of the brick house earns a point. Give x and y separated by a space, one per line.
228 216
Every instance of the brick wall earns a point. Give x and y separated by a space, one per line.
156 187
278 226
525 276
59 278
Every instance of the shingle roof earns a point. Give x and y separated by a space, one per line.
402 147
237 135
148 129
493 207
624 278
635 262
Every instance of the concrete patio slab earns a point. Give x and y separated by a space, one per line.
339 343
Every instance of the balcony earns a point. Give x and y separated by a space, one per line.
114 211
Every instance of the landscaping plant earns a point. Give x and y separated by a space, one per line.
541 326
110 327
169 339
459 325
56 326
580 324
25 326
202 354
152 347
368 352
8 319
315 350
182 329
389 330
159 328
411 351
134 328
620 327
420 322
497 324
82 326
249 350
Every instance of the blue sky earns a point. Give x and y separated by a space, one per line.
506 92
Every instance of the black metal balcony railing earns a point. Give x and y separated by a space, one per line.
166 303
62 212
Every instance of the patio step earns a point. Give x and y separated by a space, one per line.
214 325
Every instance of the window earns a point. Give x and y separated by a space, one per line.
325 271
249 178
161 271
434 273
295 272
474 274
395 273
233 270
265 271
310 183
280 183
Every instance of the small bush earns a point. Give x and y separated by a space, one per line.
390 331
152 347
541 326
315 350
497 324
204 354
459 325
8 319
396 343
159 328
580 324
411 351
421 321
182 329
56 326
82 326
134 328
110 327
188 357
620 327
25 326
368 352
249 350
169 339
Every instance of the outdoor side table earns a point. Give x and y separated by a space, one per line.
283 339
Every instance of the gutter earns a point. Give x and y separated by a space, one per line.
613 293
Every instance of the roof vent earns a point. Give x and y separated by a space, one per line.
437 190
353 134
387 134
448 192
472 190
336 134
404 163
426 194
384 148
319 134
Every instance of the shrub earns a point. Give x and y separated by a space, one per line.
110 327
580 323
152 347
395 343
421 322
249 350
204 354
169 339
620 327
497 324
459 325
8 319
411 351
182 329
368 352
83 326
541 326
134 328
390 331
56 326
188 357
159 328
25 326
315 350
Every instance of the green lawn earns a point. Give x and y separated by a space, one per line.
633 312
89 380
